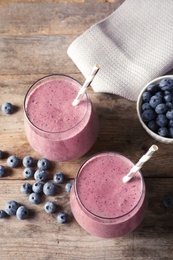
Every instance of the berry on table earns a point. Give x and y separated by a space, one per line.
3 171
28 173
26 188
2 213
68 187
28 161
49 189
1 154
34 198
50 207
40 175
12 161
62 217
37 187
43 164
22 213
58 177
11 207
7 108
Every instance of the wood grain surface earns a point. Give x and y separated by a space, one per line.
34 37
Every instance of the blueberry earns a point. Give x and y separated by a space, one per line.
22 213
145 106
2 213
58 177
26 188
28 173
148 115
3 171
154 101
68 187
170 123
152 88
161 108
169 114
40 175
168 202
1 154
163 131
169 105
159 94
62 217
43 164
161 120
166 84
11 207
12 161
168 98
37 187
49 189
153 126
146 96
50 207
28 161
34 198
171 131
7 108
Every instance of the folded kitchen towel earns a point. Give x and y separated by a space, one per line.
133 46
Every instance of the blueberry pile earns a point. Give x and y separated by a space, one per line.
157 107
40 187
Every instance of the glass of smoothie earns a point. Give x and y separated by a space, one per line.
101 202
55 128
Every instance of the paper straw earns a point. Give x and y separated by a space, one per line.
140 163
88 81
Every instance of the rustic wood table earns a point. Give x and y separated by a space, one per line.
34 37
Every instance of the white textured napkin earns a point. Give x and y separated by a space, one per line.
133 46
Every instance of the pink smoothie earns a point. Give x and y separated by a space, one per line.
55 128
101 203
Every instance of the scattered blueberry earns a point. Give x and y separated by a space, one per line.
68 187
26 188
34 198
58 177
3 171
50 207
37 187
168 202
11 207
12 161
62 217
28 173
40 175
2 213
43 164
1 154
49 189
28 161
22 213
7 108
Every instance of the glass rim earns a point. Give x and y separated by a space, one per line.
44 78
93 214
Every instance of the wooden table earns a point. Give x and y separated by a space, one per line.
34 37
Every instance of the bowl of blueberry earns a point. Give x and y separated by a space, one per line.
155 108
